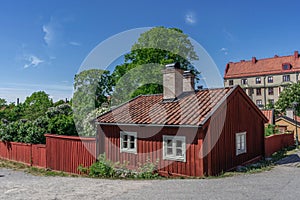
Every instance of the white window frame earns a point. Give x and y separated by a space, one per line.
174 139
128 149
241 143
286 78
244 81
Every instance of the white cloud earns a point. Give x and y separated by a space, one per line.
53 31
225 50
190 18
74 43
32 61
49 35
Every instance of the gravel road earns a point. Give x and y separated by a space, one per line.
282 182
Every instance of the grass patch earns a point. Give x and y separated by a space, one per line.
261 166
33 170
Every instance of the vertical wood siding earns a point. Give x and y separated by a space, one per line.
275 143
240 117
149 146
66 153
33 155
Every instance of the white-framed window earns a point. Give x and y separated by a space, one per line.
240 141
244 81
174 148
128 142
258 80
285 78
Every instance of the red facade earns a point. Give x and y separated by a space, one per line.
210 148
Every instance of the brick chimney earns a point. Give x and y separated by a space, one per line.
188 81
254 60
296 54
172 81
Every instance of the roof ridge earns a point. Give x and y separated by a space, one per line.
266 58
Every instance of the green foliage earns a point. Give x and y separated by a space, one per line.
104 168
148 170
36 105
287 97
89 128
142 68
22 131
62 125
2 102
57 120
270 130
91 90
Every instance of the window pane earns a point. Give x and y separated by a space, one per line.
125 137
178 152
169 151
169 143
131 145
178 143
131 138
125 144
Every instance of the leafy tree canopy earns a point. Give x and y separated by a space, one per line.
287 97
91 90
36 105
2 102
155 48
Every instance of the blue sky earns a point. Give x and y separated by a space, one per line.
43 43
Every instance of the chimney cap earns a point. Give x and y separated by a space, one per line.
173 65
296 54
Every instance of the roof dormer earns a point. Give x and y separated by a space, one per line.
286 66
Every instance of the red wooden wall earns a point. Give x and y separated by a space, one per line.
240 116
149 145
276 142
66 153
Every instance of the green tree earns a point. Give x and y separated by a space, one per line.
36 105
91 90
2 102
287 97
154 49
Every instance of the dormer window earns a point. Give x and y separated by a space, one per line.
286 66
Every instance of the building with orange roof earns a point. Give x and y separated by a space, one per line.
263 79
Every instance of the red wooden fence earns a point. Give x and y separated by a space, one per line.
276 142
66 153
33 155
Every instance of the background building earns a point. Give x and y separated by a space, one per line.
263 80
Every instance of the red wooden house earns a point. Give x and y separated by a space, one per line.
189 132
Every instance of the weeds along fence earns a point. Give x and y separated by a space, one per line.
62 153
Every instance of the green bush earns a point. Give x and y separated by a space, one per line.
104 168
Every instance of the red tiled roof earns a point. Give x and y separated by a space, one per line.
190 109
270 115
262 67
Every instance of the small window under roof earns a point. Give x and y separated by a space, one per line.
286 66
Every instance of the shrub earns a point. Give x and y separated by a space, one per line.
103 168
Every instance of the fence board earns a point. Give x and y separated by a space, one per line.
66 153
